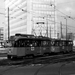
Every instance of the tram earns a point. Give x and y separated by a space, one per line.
23 45
28 45
55 45
66 46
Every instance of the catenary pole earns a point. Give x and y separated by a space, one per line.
8 25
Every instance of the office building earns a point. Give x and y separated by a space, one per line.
30 17
1 33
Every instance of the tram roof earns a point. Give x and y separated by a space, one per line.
33 38
29 36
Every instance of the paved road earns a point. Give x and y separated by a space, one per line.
3 50
47 69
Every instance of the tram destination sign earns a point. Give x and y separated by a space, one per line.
40 23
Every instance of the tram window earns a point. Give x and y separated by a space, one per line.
22 43
60 44
48 43
56 43
70 43
27 43
64 43
16 44
35 43
52 43
45 43
38 43
67 43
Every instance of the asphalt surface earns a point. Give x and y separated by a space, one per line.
39 69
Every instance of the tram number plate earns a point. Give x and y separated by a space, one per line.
32 48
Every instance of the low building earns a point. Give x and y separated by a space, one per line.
1 36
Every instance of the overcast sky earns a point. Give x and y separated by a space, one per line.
67 7
1 11
64 6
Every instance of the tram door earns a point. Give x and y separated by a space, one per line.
69 45
55 46
63 46
46 48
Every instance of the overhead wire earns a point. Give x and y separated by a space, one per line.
66 2
66 16
55 8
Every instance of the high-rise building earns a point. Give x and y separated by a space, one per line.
31 17
1 33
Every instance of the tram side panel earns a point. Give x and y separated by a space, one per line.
66 46
46 47
37 46
20 51
37 51
26 51
55 46
12 51
70 46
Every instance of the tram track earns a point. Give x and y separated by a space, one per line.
63 59
59 58
38 60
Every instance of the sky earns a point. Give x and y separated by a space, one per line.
63 8
66 7
2 17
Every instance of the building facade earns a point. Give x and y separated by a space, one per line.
1 33
31 17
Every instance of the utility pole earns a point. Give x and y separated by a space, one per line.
66 27
8 25
47 26
50 31
61 29
54 19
